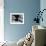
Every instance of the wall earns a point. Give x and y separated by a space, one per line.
29 8
1 21
43 6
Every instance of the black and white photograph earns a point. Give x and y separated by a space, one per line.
16 18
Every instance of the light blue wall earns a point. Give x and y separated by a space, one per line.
29 8
43 6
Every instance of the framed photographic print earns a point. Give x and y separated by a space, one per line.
16 18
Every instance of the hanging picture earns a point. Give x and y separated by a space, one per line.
16 18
